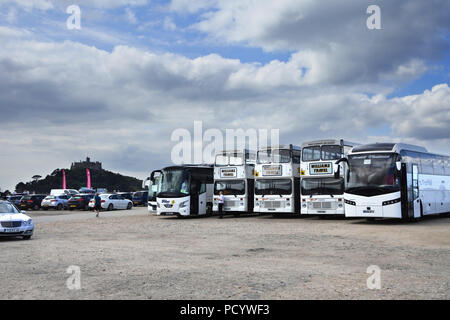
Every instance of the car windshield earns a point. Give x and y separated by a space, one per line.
372 174
273 186
7 208
325 186
233 187
174 181
274 156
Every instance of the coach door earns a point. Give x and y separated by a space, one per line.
415 190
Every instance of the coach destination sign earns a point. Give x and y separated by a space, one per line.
271 170
321 168
228 173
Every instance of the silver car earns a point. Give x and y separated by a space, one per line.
14 223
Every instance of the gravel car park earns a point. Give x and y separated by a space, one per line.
135 255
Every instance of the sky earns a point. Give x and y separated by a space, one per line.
117 88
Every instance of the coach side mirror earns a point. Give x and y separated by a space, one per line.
337 170
398 164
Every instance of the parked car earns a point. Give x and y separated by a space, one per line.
80 201
58 192
112 201
55 202
32 201
14 223
126 195
140 198
14 199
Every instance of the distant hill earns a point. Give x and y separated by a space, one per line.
76 178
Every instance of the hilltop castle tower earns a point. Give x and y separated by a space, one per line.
86 165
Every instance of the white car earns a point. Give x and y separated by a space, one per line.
55 202
57 192
14 223
112 201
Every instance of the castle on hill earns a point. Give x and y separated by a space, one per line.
86 165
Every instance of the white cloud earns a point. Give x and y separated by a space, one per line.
168 24
333 34
425 116
51 4
11 16
31 4
130 16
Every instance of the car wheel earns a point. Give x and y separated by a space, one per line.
26 237
59 207
129 206
110 207
36 207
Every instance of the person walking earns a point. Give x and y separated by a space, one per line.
97 204
220 203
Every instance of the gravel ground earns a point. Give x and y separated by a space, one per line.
134 255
